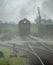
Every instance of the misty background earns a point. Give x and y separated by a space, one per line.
14 10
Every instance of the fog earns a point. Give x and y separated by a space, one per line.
14 10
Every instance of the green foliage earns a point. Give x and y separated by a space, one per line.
6 51
7 60
15 61
11 61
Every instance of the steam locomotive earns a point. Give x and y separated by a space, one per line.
24 27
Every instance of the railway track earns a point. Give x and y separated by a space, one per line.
44 44
36 50
48 52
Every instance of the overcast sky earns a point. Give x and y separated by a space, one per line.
14 10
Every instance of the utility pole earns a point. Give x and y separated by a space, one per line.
39 15
39 20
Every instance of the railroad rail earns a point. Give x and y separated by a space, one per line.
29 46
42 42
48 49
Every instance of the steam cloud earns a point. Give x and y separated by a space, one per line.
47 8
14 10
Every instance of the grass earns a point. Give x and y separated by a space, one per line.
46 37
34 31
14 28
34 28
10 60
6 51
8 27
